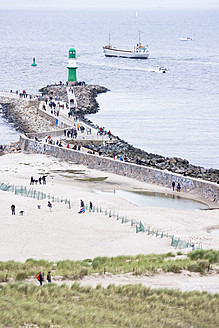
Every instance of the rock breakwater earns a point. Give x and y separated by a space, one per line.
25 115
126 152
86 98
55 91
14 147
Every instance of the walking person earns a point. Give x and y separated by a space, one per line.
82 209
31 180
49 205
48 276
44 179
91 206
178 188
40 278
13 209
173 185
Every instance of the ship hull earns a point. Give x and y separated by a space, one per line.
125 53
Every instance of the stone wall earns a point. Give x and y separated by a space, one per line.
203 189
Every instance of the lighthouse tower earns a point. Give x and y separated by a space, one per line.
72 66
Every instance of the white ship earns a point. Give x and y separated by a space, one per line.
139 51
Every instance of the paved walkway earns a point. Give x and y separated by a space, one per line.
61 112
19 95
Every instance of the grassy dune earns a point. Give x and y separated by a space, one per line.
196 261
24 305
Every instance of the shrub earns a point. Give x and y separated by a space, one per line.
210 254
3 277
21 275
174 268
83 272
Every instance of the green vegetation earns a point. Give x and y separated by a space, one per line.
196 261
92 179
24 305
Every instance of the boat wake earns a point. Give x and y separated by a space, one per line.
158 70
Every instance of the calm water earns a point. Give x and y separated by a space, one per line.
173 114
155 199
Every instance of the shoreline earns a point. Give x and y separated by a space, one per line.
63 233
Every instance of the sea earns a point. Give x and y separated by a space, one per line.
171 114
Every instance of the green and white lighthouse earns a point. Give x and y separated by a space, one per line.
72 66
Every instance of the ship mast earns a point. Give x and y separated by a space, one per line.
109 40
139 42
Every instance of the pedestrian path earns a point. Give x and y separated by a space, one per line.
60 110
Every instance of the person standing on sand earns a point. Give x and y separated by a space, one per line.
13 209
173 185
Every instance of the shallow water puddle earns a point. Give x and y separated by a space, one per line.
155 199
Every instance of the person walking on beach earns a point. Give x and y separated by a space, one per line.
178 188
48 276
82 209
40 278
31 180
173 185
49 205
44 179
91 206
13 209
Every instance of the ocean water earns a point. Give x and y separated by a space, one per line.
172 114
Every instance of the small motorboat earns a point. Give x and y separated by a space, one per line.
185 39
162 70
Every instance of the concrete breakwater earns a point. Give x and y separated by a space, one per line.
203 189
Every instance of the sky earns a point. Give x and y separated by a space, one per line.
136 4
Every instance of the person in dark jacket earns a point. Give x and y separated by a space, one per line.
48 276
13 209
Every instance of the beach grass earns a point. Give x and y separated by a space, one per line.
196 261
26 305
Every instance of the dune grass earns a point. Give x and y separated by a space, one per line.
195 261
26 305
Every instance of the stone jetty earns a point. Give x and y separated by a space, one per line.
25 114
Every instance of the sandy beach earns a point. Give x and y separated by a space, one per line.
63 233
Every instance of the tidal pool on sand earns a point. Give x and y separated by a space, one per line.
155 199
